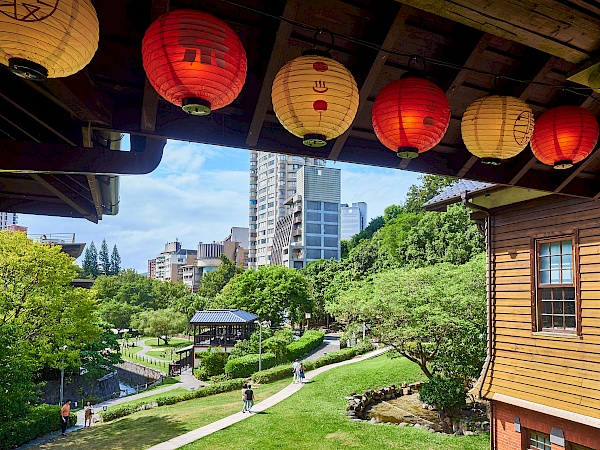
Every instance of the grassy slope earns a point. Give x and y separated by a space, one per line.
315 417
150 427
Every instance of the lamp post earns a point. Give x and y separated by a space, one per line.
259 344
62 378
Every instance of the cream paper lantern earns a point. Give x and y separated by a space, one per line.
497 127
49 39
315 98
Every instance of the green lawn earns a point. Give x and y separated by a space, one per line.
163 367
314 418
150 427
152 342
163 354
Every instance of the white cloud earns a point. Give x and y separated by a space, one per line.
198 193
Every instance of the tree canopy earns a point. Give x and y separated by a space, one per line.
163 323
213 282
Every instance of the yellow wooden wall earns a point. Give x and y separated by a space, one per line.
561 371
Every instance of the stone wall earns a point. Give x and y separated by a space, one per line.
76 387
135 374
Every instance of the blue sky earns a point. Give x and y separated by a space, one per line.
197 193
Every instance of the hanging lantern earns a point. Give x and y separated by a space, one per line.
194 60
315 98
496 128
410 116
565 135
49 39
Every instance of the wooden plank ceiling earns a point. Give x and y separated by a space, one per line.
54 136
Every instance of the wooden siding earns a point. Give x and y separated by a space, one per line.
552 369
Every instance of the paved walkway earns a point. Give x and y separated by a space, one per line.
286 392
331 343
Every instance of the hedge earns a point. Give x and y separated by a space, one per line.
245 366
119 411
39 421
285 370
310 340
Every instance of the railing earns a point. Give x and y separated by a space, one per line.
54 238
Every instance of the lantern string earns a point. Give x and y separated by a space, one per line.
373 46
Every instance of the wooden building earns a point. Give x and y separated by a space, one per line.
542 374
220 328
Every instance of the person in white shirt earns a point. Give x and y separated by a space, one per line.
296 369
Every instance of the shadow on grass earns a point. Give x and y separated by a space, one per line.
120 435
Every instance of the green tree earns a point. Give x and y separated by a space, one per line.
127 287
90 261
392 211
427 315
115 261
162 323
104 259
271 292
100 353
118 313
375 224
213 282
429 187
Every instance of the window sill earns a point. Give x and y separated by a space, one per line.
556 335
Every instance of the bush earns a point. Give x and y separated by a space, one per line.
447 394
247 365
119 411
309 341
39 421
212 363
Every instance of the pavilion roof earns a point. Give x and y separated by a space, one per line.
223 316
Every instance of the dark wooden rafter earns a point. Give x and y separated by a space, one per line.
150 99
92 180
389 42
277 59
74 200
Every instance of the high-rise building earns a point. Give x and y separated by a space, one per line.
311 229
272 181
353 219
169 263
7 219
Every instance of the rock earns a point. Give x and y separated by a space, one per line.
431 430
425 406
458 433
402 424
417 425
357 420
468 433
373 420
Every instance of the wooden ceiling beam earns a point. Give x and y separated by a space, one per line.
50 183
150 99
392 37
575 172
278 58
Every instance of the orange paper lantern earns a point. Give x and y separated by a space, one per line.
194 60
565 135
47 39
410 116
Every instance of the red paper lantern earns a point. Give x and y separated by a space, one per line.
194 60
565 135
410 116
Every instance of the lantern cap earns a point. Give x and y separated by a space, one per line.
314 140
408 152
491 161
196 106
27 69
564 164
317 52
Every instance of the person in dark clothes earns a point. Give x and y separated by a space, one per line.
249 403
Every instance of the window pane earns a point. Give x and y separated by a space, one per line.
569 293
567 247
567 276
558 322
546 294
555 262
557 307
546 307
544 249
569 307
566 261
544 263
555 248
569 321
555 276
545 277
546 321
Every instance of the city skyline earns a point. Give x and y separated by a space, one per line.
198 193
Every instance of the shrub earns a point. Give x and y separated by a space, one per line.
247 365
447 394
309 341
38 421
119 411
212 363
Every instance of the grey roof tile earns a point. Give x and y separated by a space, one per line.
453 193
223 316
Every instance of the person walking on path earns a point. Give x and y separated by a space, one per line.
249 403
65 413
296 369
244 387
301 371
89 411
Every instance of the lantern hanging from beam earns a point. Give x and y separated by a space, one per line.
496 128
315 98
49 39
565 135
194 60
410 116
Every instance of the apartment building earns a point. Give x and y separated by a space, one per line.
353 219
273 180
168 265
7 219
311 228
